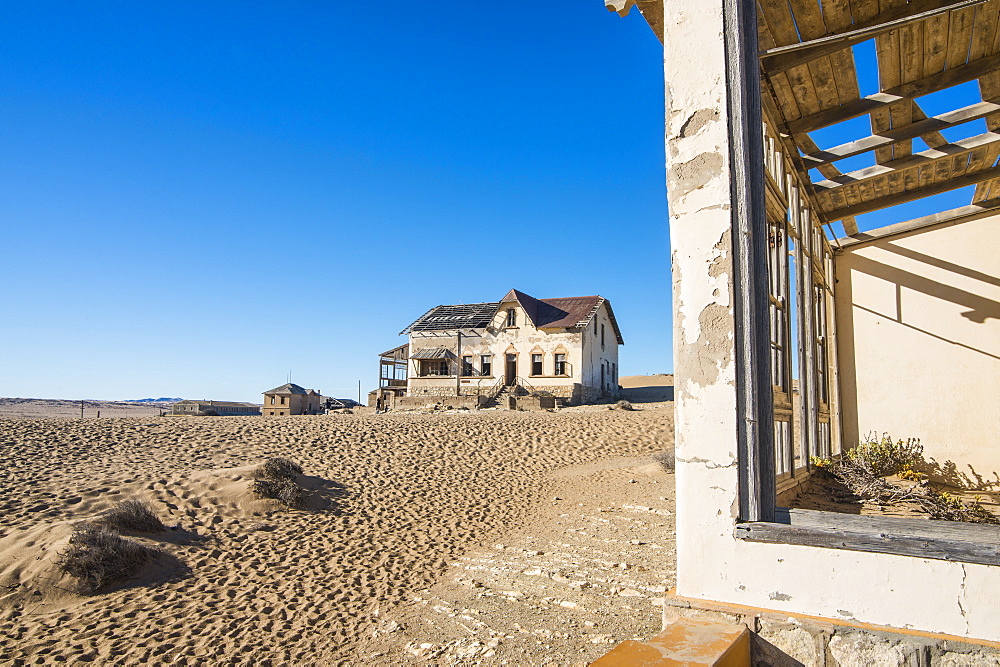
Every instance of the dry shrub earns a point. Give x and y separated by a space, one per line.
283 490
276 478
666 460
98 556
278 467
133 515
865 467
624 405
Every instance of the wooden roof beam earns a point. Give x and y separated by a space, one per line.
911 195
929 157
783 58
918 128
907 91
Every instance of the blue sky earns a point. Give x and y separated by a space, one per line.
200 197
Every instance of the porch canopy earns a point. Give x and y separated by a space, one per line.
811 55
428 353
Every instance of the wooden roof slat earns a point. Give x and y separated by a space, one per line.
942 169
960 36
960 164
909 90
808 18
806 143
970 178
779 20
800 80
788 107
782 57
837 16
935 43
865 10
824 83
922 128
934 138
887 54
935 155
987 190
984 32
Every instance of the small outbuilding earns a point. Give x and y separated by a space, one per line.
291 399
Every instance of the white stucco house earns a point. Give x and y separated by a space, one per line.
565 348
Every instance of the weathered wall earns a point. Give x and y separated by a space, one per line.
584 354
918 317
712 564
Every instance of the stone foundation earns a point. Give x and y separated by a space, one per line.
781 639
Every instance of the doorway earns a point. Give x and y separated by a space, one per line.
510 374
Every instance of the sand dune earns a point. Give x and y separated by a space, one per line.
397 498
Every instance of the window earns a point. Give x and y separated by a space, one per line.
486 364
561 364
602 335
282 400
272 401
467 366
433 367
536 364
512 317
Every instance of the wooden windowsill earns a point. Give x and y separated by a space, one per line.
921 538
550 377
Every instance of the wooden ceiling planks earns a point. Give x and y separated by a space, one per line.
914 59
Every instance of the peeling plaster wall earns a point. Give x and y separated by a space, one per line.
897 591
918 317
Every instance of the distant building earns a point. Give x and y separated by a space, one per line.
214 408
291 399
565 348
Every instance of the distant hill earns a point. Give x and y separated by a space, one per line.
154 400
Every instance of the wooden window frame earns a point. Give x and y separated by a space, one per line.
761 520
541 365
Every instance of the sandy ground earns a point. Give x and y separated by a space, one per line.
407 509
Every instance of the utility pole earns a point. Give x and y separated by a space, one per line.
458 366
359 392
81 409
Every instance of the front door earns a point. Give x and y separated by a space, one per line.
510 376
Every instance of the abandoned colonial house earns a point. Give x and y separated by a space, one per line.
213 408
291 399
888 322
562 349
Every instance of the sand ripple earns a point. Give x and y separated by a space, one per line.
243 581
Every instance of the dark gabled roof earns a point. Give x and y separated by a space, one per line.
444 318
562 313
289 388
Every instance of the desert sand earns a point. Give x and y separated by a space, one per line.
403 511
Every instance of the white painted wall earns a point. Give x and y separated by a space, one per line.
918 318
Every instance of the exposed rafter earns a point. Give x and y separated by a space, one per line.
906 91
783 58
893 199
919 128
